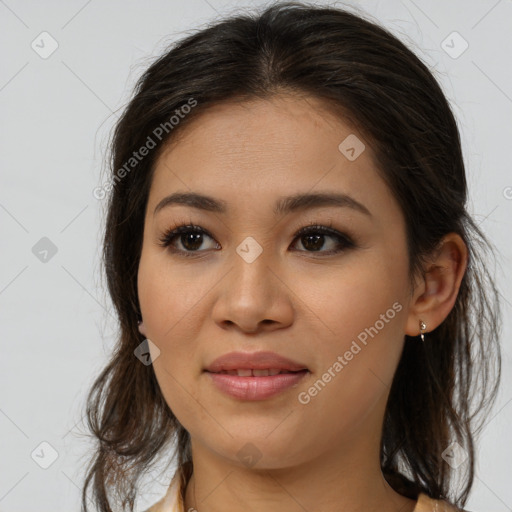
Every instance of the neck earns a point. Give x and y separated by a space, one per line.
346 479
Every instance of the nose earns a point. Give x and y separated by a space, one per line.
253 297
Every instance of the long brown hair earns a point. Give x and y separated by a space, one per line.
443 387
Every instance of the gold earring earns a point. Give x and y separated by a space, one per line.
423 326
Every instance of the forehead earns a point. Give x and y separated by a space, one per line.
262 148
265 134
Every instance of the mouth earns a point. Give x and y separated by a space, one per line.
255 363
253 372
255 384
256 375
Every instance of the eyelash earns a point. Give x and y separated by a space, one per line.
344 240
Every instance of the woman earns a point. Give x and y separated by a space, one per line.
304 309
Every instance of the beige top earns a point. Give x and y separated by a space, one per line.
172 501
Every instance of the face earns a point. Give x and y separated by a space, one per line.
333 298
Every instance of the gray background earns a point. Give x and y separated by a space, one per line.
57 111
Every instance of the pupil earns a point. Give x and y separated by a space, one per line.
194 238
315 246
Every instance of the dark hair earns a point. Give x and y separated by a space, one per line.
365 73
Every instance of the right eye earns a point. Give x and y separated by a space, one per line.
190 236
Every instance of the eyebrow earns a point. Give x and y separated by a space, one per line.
283 206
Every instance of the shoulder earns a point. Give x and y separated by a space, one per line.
427 504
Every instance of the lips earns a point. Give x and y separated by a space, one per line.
256 364
256 376
253 372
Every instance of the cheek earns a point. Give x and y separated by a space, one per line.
361 316
169 296
363 299
172 305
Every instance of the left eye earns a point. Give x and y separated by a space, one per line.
312 238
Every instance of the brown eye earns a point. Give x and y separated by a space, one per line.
191 238
313 239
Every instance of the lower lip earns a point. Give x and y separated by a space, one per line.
256 388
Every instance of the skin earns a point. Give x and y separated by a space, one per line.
303 304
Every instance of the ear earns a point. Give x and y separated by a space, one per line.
142 328
436 292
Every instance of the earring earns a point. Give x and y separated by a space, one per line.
423 326
142 327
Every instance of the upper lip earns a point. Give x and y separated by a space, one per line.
253 361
